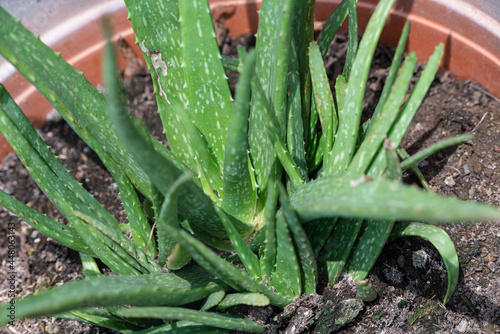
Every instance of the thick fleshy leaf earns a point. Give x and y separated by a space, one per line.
253 299
227 272
443 244
272 49
378 132
303 249
182 287
81 104
352 39
382 199
209 99
336 250
240 194
323 96
332 25
162 170
227 321
349 117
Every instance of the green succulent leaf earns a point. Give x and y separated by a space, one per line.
82 105
352 39
374 139
272 49
209 99
252 299
443 244
337 248
163 171
323 97
226 321
247 257
169 218
295 125
303 249
182 327
64 234
185 286
391 76
417 157
213 300
99 318
349 118
227 272
240 194
380 198
332 25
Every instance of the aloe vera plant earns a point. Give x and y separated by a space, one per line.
253 173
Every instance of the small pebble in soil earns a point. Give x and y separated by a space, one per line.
449 181
420 258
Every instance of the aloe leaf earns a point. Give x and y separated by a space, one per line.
349 118
338 247
240 195
247 257
168 289
64 234
272 130
81 104
90 268
64 199
374 139
318 231
352 39
231 63
168 217
331 26
404 155
210 102
213 300
379 198
303 34
252 299
193 203
402 122
158 33
52 178
136 217
182 327
421 155
178 258
323 96
303 248
227 321
227 272
282 50
393 170
443 244
295 125
273 32
368 248
417 96
270 243
121 241
108 251
99 318
391 76
286 278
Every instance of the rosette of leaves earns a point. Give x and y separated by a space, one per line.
283 180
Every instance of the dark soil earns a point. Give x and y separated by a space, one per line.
410 293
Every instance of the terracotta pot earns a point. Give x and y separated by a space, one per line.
470 30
